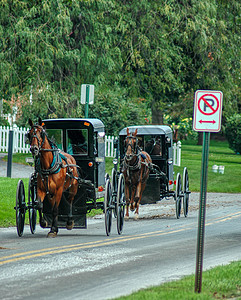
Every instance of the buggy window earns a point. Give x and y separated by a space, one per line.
56 136
77 141
153 144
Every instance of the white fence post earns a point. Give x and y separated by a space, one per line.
174 154
177 151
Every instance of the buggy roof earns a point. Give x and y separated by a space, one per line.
75 123
148 130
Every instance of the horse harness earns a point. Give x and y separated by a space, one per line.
57 162
137 164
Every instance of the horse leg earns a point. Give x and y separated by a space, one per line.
132 208
127 195
139 190
55 205
72 192
40 197
54 227
138 199
70 221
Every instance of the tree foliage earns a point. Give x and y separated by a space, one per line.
233 132
146 58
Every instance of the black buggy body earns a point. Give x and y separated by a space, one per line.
157 141
84 139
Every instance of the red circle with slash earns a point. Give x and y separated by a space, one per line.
207 104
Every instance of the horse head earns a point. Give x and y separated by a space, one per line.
131 145
36 136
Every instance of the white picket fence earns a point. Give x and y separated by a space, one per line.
19 145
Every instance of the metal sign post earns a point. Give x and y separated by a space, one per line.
87 96
202 212
10 153
207 118
87 101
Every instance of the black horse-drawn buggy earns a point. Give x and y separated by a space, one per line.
69 178
152 147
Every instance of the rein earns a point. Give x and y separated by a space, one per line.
135 166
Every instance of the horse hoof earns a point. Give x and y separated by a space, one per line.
126 218
136 217
52 234
70 225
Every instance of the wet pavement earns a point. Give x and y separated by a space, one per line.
18 170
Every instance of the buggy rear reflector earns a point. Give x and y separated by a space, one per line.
170 182
90 164
100 188
175 182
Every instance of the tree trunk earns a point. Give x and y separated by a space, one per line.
157 114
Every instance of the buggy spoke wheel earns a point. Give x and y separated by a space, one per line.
32 196
185 192
108 207
120 203
178 196
114 183
20 208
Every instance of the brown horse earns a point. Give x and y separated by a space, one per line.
136 165
56 172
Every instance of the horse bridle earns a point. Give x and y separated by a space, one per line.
30 137
127 143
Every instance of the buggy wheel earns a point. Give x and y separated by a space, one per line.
185 192
178 196
108 207
32 197
20 207
120 202
114 185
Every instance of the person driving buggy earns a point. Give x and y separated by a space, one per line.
154 146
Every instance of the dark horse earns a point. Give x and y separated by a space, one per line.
56 172
136 172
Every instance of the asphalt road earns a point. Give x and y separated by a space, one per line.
17 171
85 264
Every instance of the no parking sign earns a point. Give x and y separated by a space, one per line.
207 118
207 111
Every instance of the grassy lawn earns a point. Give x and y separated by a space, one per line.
219 154
8 187
218 283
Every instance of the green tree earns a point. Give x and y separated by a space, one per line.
153 50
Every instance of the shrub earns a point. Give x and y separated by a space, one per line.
183 127
233 132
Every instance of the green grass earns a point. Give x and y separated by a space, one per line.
218 283
219 154
8 187
18 158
